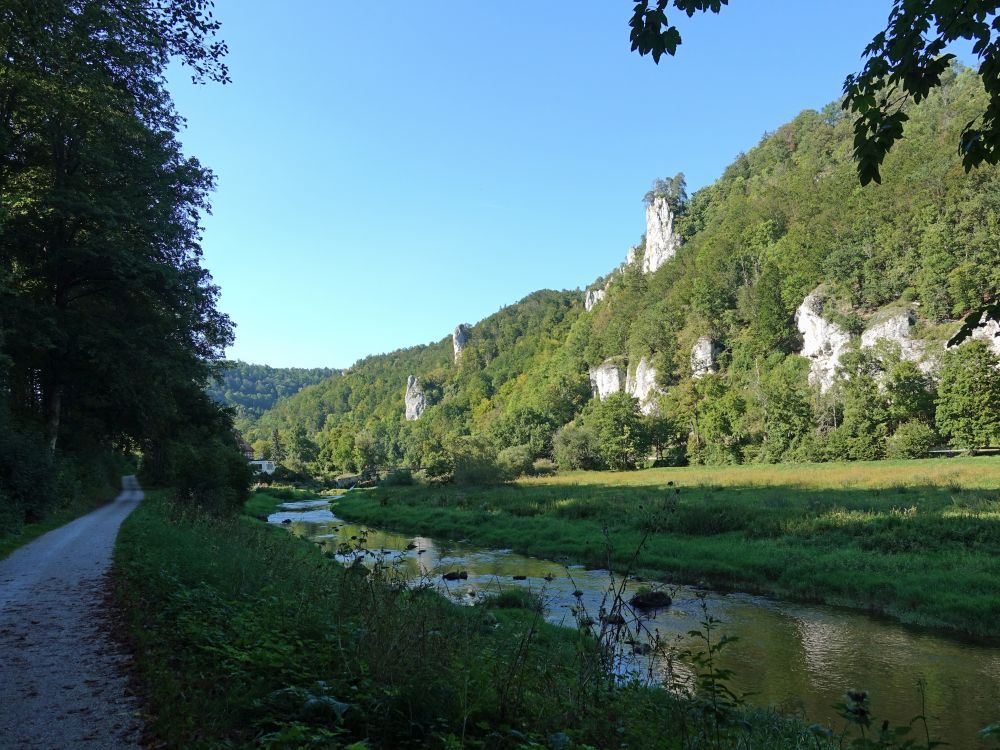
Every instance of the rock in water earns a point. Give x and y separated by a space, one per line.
607 378
661 239
704 357
459 337
823 341
651 600
415 399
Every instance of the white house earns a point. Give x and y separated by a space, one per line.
263 466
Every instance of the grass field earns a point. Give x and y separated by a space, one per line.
246 636
918 541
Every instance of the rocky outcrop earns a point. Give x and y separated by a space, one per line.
988 332
642 385
704 357
661 239
631 255
459 337
823 341
607 378
897 329
415 399
592 297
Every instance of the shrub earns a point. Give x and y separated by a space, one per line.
398 478
475 461
515 461
575 446
912 439
543 467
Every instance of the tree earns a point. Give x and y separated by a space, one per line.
968 402
620 431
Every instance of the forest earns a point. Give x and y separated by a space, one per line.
787 219
109 332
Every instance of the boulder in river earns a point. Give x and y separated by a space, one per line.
455 575
651 600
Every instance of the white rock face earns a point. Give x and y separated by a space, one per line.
988 332
897 329
631 255
415 399
592 297
661 239
459 337
704 356
823 342
607 378
642 385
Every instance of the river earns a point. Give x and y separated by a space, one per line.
797 658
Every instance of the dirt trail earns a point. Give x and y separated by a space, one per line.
62 677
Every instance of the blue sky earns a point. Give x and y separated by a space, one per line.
389 170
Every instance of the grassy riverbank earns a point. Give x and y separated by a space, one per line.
246 636
918 541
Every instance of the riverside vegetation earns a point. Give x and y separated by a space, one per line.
918 541
247 635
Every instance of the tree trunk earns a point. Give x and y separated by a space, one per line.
54 411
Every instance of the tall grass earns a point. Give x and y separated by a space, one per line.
248 637
918 541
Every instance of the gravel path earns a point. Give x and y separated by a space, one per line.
62 677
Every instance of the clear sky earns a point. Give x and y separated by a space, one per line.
387 170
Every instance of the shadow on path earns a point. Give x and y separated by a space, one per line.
61 674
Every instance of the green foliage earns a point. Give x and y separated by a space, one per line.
968 403
256 388
577 446
110 328
516 461
912 439
620 431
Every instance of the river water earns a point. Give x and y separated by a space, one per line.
798 658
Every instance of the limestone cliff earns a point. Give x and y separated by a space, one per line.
459 337
704 357
607 378
897 329
661 239
592 297
415 399
642 385
823 341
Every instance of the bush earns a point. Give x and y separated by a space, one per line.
543 467
475 461
576 446
912 439
398 478
438 466
515 461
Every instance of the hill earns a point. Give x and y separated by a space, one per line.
781 313
253 389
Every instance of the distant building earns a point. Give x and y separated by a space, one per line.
263 466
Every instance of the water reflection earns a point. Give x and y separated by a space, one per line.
799 658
